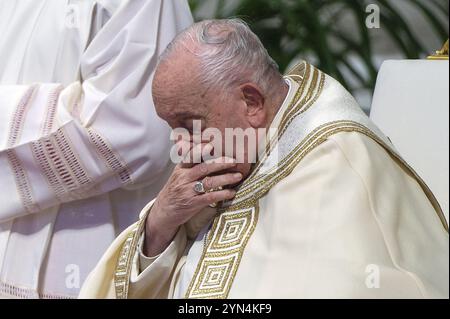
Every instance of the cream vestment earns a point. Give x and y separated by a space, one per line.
82 150
330 211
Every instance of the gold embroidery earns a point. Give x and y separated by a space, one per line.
112 160
252 184
319 91
288 163
214 276
254 178
297 102
221 258
222 253
303 70
123 268
294 109
356 127
308 101
315 138
203 285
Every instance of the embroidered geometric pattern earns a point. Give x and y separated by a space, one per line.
216 275
63 170
123 267
220 260
18 118
122 271
26 293
22 183
222 253
111 159
309 91
15 131
259 184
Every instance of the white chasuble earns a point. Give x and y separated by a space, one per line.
329 211
81 147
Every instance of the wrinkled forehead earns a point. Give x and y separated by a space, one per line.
178 89
177 100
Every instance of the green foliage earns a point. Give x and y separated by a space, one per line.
292 29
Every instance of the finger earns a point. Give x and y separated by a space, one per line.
202 170
215 197
195 155
214 182
183 145
218 160
188 160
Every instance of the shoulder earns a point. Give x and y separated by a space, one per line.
351 157
369 159
352 149
356 146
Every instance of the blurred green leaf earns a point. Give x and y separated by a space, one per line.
313 29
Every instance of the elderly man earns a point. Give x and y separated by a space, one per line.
329 209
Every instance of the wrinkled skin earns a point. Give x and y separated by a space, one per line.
180 97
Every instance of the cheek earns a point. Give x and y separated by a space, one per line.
228 117
230 114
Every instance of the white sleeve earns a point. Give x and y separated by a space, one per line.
62 144
143 261
152 277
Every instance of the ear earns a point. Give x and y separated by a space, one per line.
254 99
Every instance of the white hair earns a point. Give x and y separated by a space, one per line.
229 52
